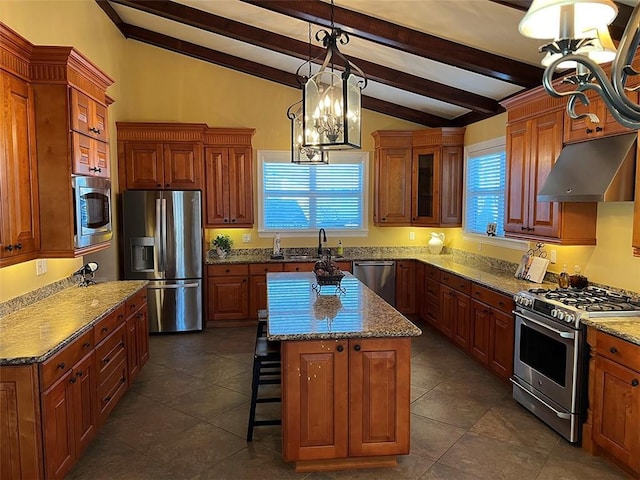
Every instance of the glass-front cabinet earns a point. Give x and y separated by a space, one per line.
425 175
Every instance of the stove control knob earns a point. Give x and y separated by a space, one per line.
569 318
560 315
554 313
528 302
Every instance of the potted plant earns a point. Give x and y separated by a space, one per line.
223 243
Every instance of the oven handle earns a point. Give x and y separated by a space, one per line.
565 416
543 325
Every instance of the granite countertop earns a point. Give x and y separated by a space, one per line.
627 328
296 312
32 334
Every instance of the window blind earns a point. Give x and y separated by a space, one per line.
485 192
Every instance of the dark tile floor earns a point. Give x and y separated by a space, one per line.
185 417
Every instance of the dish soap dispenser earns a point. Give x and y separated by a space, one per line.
277 251
340 251
563 278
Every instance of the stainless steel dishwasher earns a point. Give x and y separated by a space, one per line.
379 276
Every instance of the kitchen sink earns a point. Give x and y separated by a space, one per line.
301 257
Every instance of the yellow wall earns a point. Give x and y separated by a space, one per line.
155 85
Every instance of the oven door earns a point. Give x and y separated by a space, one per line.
545 357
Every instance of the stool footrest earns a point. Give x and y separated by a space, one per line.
268 400
267 422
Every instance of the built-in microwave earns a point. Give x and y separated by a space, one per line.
92 209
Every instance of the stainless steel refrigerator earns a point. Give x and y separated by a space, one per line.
162 238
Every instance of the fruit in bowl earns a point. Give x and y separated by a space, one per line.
327 272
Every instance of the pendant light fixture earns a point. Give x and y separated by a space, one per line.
300 153
331 100
580 34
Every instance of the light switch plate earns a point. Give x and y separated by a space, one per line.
412 235
246 238
552 256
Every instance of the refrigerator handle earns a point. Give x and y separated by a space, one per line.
158 235
164 234
173 286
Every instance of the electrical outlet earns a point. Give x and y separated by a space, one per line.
552 256
412 235
41 267
246 238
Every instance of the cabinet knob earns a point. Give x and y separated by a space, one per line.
233 220
167 185
79 374
357 348
523 228
634 382
72 380
86 344
104 329
339 348
226 220
61 365
598 129
589 130
18 246
613 350
227 270
159 185
384 219
8 248
95 169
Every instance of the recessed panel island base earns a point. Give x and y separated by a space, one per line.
345 373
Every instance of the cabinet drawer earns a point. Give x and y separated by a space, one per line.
110 352
299 267
135 302
227 270
432 272
344 266
457 283
60 363
111 389
490 297
432 290
263 268
107 325
618 350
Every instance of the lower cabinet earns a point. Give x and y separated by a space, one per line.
614 401
51 411
258 285
137 326
228 292
492 330
406 287
69 416
455 308
343 399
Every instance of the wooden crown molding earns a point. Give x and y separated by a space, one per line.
229 136
15 52
160 132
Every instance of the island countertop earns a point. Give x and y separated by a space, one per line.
34 333
297 312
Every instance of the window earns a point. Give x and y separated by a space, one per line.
299 199
486 166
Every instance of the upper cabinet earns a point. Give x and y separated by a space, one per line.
72 139
228 177
160 156
534 141
19 228
419 177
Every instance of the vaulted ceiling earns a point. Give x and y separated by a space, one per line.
433 62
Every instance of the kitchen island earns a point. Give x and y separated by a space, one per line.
346 373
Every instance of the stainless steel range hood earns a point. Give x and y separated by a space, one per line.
600 170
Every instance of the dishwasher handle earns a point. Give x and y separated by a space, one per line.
374 264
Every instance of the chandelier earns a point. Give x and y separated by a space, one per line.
300 153
581 40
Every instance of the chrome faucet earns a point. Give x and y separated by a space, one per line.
322 237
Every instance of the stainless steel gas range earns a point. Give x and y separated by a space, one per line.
551 357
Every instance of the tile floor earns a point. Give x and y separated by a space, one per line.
185 417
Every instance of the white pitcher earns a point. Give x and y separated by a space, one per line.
436 243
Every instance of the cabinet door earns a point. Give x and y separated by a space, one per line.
425 174
461 324
379 396
480 332
392 187
406 287
257 294
448 305
57 427
216 187
315 399
546 144
18 173
182 166
228 298
616 411
88 117
420 290
142 324
90 156
84 402
517 192
451 181
133 355
144 166
240 186
501 340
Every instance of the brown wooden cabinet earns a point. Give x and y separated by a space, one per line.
614 401
67 88
19 227
455 308
534 141
137 326
344 399
492 333
258 285
160 156
577 130
406 287
228 292
431 294
229 177
418 177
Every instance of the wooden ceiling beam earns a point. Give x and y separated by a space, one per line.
408 40
288 46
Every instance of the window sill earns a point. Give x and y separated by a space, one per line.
512 244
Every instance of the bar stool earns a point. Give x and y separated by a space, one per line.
266 371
